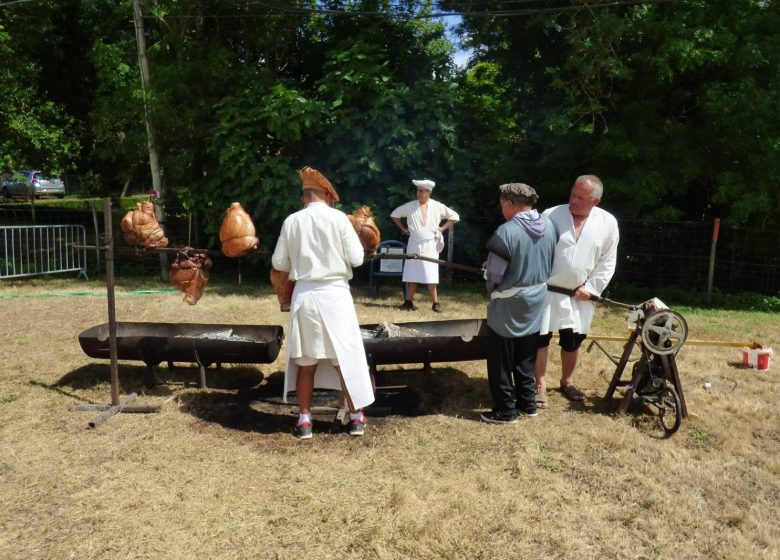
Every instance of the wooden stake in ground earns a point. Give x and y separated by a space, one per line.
117 404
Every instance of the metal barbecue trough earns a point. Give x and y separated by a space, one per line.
203 344
425 342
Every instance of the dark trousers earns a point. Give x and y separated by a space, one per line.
510 364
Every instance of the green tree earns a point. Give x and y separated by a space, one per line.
372 111
672 104
34 131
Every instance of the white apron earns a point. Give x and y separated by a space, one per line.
425 243
340 322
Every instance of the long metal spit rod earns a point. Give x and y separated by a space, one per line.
415 256
139 250
475 270
569 292
598 299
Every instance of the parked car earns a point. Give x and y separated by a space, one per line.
31 182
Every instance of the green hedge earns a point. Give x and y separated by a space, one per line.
674 297
77 203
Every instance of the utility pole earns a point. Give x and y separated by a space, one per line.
154 161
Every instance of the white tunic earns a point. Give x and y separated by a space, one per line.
590 260
319 247
423 238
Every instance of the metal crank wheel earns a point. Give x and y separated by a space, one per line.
669 410
664 332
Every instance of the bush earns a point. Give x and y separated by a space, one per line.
78 203
674 296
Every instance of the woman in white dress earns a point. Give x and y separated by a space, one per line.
424 218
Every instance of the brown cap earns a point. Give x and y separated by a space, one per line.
313 179
519 193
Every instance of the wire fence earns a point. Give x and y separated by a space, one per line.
650 255
668 254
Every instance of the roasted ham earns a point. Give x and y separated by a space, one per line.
284 288
190 274
141 228
363 221
237 232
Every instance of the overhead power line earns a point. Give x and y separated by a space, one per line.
482 13
12 2
283 9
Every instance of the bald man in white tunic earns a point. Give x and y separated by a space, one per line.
424 218
318 247
585 258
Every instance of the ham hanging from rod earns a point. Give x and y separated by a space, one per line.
237 232
363 221
190 274
140 227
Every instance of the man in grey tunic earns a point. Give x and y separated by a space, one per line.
520 258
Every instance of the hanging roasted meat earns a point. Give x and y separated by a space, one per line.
141 228
190 274
284 288
237 232
363 221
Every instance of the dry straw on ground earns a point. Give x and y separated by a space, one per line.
215 476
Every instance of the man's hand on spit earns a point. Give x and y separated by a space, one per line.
581 293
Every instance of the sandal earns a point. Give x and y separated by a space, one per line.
572 393
541 400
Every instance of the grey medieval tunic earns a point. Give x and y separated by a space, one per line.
517 311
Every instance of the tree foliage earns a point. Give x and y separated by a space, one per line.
375 112
34 130
672 104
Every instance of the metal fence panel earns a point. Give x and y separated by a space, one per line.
47 249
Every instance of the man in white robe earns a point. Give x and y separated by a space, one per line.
318 247
424 218
585 258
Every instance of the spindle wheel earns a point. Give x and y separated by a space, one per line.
664 332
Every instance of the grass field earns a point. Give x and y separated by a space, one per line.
216 474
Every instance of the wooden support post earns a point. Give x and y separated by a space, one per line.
713 247
450 252
627 349
109 240
97 234
117 404
671 363
635 379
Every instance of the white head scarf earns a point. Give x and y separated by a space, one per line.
424 184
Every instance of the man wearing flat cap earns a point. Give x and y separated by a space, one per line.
424 218
520 258
318 247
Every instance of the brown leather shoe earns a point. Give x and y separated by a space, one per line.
572 393
436 307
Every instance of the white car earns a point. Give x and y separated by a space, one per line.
31 182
